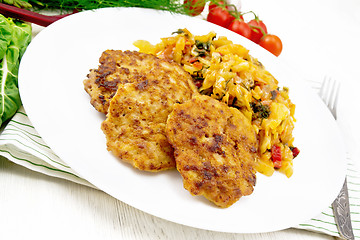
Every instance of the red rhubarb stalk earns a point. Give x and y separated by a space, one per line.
29 16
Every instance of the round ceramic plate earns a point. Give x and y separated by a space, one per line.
51 86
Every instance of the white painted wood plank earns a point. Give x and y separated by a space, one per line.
36 206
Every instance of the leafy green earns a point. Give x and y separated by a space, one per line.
15 36
17 3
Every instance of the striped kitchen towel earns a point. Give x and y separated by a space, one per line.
20 143
325 221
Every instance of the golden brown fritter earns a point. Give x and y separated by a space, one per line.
215 149
117 67
135 124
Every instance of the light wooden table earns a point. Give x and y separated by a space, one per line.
36 206
320 38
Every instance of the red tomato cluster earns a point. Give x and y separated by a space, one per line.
227 16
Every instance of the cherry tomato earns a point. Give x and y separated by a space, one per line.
241 28
220 16
272 43
223 4
195 7
212 5
258 29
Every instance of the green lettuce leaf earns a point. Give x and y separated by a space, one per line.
5 35
15 37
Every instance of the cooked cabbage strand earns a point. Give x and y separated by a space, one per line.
227 72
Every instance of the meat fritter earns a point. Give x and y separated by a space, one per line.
117 67
215 149
135 124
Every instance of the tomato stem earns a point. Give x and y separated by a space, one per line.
258 29
256 17
234 12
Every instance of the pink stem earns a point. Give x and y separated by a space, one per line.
29 16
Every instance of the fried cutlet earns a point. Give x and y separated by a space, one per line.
215 149
135 124
117 67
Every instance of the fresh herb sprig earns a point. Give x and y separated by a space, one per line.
69 5
260 110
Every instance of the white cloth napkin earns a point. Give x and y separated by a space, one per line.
325 221
20 143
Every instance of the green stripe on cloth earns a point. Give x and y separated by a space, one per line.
325 221
317 228
29 147
21 144
37 164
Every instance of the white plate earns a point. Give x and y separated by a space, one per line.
51 86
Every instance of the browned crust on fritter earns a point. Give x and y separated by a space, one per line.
135 124
215 149
119 67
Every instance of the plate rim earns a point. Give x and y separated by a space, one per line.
60 23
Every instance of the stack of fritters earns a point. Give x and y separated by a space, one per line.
138 91
118 67
153 107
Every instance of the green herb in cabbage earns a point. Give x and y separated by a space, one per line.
15 36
